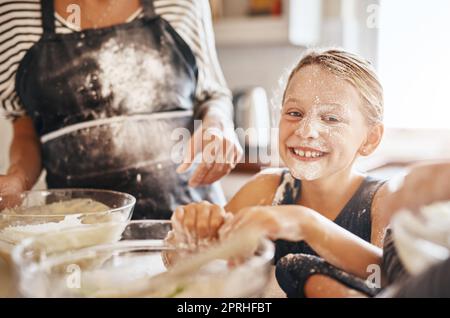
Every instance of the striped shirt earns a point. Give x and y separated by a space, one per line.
21 27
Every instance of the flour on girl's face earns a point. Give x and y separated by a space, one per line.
317 131
331 122
133 75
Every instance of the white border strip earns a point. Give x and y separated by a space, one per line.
92 123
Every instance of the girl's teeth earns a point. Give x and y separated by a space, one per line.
307 154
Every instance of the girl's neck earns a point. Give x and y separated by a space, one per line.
328 196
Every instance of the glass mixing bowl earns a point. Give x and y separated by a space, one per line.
134 267
422 239
40 212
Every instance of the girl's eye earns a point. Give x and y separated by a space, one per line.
331 119
295 114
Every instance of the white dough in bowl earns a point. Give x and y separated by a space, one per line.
423 239
74 206
22 223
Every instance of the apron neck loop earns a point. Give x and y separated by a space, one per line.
48 16
148 8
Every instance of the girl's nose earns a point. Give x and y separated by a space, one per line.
307 129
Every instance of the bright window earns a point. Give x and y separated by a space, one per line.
414 62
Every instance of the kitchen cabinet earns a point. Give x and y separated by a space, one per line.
297 24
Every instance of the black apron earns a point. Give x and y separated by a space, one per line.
105 103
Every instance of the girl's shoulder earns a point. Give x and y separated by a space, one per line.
268 180
270 175
259 190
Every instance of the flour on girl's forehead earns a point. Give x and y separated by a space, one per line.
133 74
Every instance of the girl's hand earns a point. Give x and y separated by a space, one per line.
197 223
279 222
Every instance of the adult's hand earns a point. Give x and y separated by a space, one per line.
220 152
11 186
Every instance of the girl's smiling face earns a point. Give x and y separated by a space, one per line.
322 128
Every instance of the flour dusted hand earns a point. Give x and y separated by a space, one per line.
275 222
220 152
198 223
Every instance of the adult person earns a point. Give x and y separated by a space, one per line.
95 104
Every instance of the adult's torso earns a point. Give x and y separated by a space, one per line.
105 103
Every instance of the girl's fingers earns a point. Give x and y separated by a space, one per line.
202 226
254 220
229 227
216 219
189 218
170 238
188 225
177 219
178 227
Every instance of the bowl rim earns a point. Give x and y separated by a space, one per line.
266 246
261 260
131 204
18 249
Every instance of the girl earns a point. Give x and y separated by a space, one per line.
319 208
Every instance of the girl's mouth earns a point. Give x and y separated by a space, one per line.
306 154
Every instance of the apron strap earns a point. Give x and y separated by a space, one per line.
48 16
148 8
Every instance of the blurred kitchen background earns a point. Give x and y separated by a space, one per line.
259 40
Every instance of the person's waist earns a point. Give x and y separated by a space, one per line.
114 120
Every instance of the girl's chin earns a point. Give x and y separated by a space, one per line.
306 171
305 176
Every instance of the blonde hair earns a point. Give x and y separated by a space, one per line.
352 68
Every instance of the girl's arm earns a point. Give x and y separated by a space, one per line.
421 185
340 247
25 159
336 245
260 190
202 220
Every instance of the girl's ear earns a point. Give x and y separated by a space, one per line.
374 136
